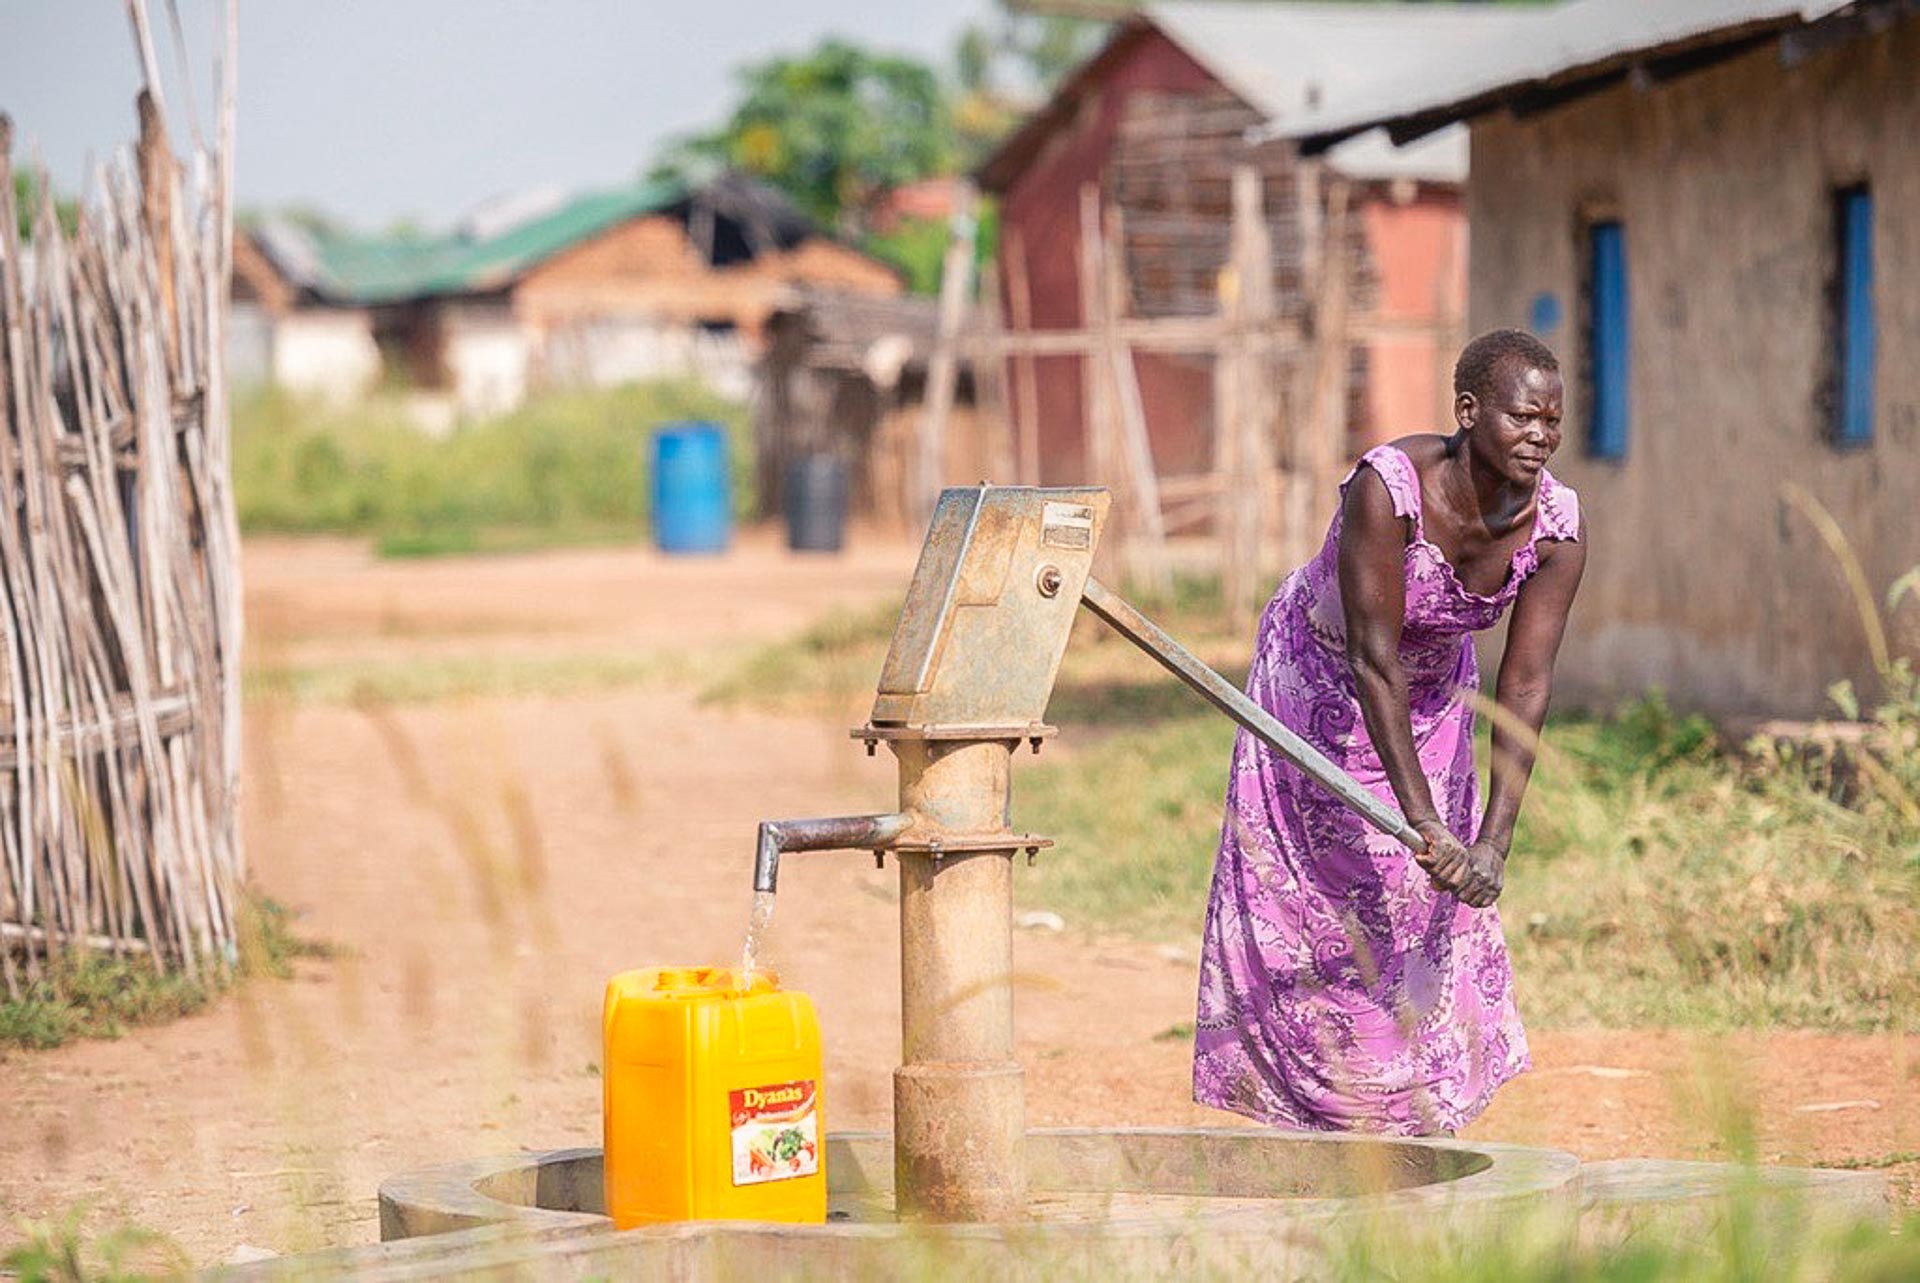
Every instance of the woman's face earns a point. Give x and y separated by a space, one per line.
1515 429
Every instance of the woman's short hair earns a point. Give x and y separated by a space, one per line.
1473 372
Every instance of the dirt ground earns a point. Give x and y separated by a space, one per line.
483 866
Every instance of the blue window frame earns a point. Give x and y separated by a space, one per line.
1607 339
1853 319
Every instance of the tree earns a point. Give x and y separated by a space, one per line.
1006 66
833 129
26 203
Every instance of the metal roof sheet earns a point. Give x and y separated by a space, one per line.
347 267
1521 48
1287 60
1440 157
1294 61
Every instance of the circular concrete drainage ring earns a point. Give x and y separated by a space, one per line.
1158 1202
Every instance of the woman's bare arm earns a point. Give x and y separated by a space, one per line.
1525 684
1373 593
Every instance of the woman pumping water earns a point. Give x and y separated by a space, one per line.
1346 984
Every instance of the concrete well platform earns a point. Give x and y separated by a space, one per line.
1113 1203
1131 1203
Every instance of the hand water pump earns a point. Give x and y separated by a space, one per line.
966 682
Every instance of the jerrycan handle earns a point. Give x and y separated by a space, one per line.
698 982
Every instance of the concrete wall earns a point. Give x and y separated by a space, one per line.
249 344
1419 250
605 351
326 352
1702 579
487 356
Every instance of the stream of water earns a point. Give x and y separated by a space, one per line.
758 921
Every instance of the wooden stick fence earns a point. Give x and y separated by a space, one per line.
119 582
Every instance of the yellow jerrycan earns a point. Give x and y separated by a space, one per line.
712 1099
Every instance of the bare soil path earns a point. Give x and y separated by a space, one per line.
484 866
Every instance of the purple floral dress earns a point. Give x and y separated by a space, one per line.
1338 990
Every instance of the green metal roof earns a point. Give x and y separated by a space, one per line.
382 269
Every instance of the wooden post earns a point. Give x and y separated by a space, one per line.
990 383
956 277
1026 383
1243 381
1325 423
1149 552
1095 376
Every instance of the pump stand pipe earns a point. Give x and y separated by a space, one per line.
838 833
1120 615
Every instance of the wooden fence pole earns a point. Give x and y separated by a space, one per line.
1026 379
1325 436
1248 421
1136 443
956 279
1095 374
990 385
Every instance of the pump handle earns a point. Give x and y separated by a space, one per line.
1120 615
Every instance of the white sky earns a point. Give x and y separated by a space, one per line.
382 109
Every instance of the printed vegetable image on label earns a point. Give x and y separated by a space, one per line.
776 1133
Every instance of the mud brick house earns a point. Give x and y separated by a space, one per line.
641 282
1711 210
1158 119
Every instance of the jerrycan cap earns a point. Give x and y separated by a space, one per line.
706 982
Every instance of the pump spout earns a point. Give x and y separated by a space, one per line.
839 833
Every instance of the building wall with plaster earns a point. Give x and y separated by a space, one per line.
325 352
1704 578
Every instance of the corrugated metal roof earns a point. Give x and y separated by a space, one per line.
383 269
1440 157
1520 49
1289 60
1293 61
369 269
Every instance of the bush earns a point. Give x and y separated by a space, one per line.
96 995
568 467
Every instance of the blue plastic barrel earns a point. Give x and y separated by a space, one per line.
692 488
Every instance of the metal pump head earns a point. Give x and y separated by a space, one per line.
991 605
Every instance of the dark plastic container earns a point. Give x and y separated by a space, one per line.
692 488
816 498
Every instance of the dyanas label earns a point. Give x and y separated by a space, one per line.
1066 525
776 1133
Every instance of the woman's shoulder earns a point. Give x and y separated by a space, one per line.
1420 447
1559 516
1409 456
1401 461
1397 463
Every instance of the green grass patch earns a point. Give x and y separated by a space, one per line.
1755 1234
1657 876
816 670
96 995
64 1249
565 468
